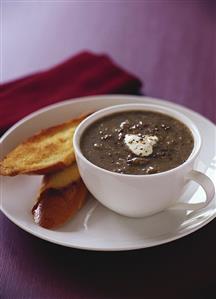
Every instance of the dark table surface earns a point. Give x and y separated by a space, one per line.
183 67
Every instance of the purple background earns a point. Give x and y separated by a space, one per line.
171 46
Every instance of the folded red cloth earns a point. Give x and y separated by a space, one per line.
82 75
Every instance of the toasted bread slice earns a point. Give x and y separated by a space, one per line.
62 178
48 151
55 207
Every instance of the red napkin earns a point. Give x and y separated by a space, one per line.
81 75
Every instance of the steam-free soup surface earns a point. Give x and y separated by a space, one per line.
137 142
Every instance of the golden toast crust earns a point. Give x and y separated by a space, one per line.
61 178
48 151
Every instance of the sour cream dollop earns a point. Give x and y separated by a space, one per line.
140 146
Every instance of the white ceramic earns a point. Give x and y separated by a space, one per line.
96 227
142 195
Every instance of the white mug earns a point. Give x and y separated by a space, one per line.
142 195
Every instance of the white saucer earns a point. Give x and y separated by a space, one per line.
95 227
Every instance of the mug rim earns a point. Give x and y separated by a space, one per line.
134 107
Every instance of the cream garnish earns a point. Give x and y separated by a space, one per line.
140 146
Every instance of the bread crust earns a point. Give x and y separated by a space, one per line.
61 178
48 151
54 207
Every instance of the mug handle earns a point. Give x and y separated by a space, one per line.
206 183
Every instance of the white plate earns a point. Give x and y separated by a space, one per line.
95 227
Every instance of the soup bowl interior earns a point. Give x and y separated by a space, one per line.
136 107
